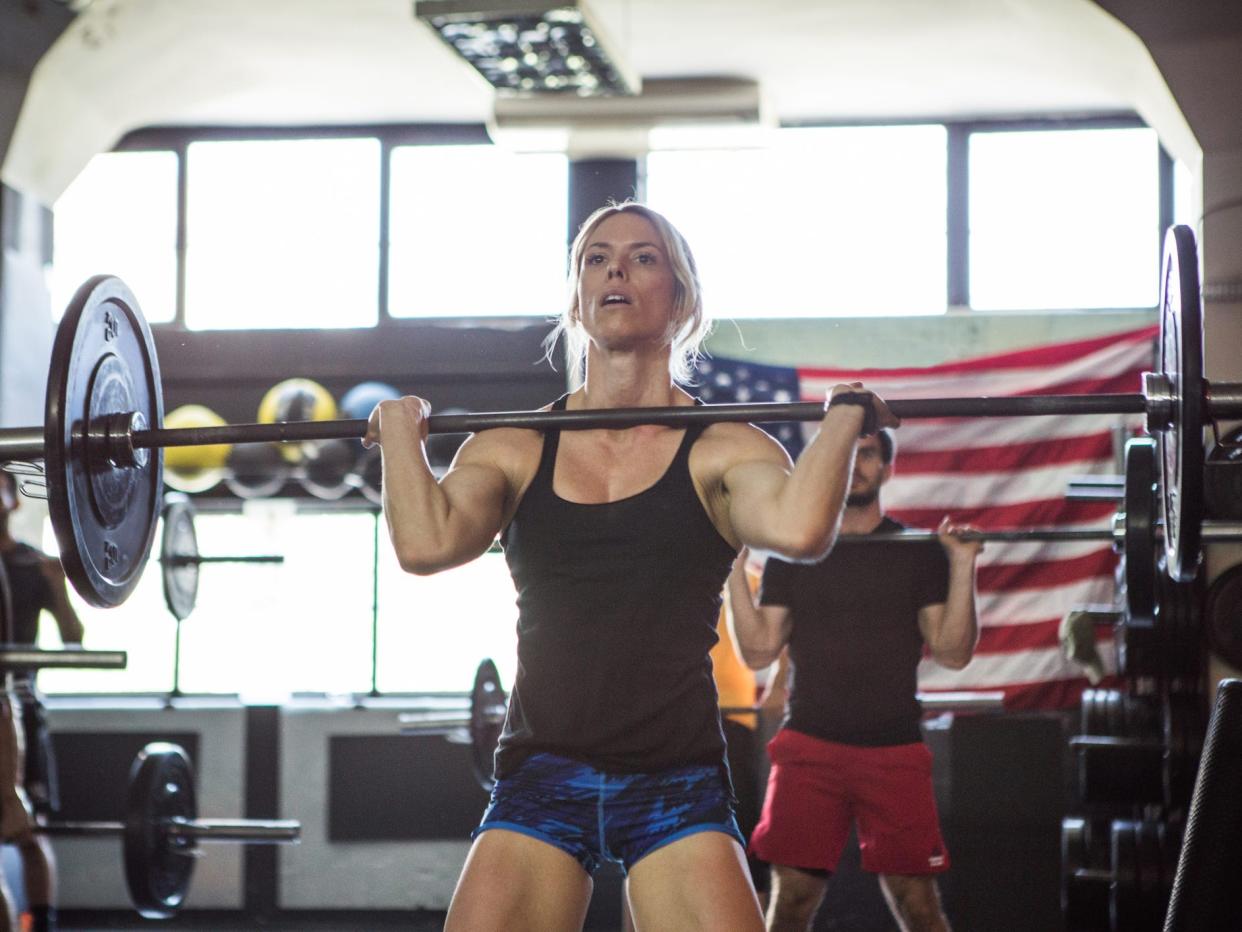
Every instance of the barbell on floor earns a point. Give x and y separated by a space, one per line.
481 719
104 411
161 830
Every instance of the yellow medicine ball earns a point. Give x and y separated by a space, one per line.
194 469
296 400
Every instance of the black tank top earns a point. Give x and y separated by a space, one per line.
617 610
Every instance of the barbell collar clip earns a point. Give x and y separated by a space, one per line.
1158 391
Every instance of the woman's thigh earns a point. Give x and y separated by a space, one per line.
699 882
515 882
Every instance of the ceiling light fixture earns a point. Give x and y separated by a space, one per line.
526 47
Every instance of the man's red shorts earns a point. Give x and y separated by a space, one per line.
817 787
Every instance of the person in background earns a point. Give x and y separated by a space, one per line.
36 584
850 749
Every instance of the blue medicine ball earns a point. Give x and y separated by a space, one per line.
360 401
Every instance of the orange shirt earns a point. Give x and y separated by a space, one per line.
735 682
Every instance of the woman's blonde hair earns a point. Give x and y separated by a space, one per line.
692 324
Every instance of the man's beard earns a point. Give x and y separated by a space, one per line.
861 499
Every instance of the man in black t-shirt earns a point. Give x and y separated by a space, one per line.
850 748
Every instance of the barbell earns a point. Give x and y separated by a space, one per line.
480 720
104 414
161 830
180 559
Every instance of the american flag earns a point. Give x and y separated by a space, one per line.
996 473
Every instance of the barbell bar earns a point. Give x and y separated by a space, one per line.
161 830
480 719
104 411
19 657
1214 531
16 658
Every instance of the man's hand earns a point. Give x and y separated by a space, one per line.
955 544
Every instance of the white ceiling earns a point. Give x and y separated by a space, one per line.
124 64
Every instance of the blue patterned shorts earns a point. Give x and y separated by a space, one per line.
597 817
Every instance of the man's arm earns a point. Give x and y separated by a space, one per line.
759 631
67 620
951 627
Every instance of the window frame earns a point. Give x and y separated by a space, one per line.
390 136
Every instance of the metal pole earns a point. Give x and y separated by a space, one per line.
375 539
619 418
198 559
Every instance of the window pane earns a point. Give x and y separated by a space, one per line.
305 625
477 231
847 221
282 233
119 217
1064 219
434 630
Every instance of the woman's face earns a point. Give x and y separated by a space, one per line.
626 286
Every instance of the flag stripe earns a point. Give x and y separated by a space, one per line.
1046 573
1020 606
1087 449
1039 513
949 489
1047 356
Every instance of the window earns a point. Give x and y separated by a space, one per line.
1187 201
1064 219
824 221
305 625
477 231
282 233
119 217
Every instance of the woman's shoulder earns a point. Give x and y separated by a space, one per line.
744 441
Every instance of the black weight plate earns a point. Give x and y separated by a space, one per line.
1140 533
1223 614
1181 446
1084 852
487 702
1147 845
104 515
1139 648
1090 722
1125 904
178 543
6 606
1222 477
1184 726
158 866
